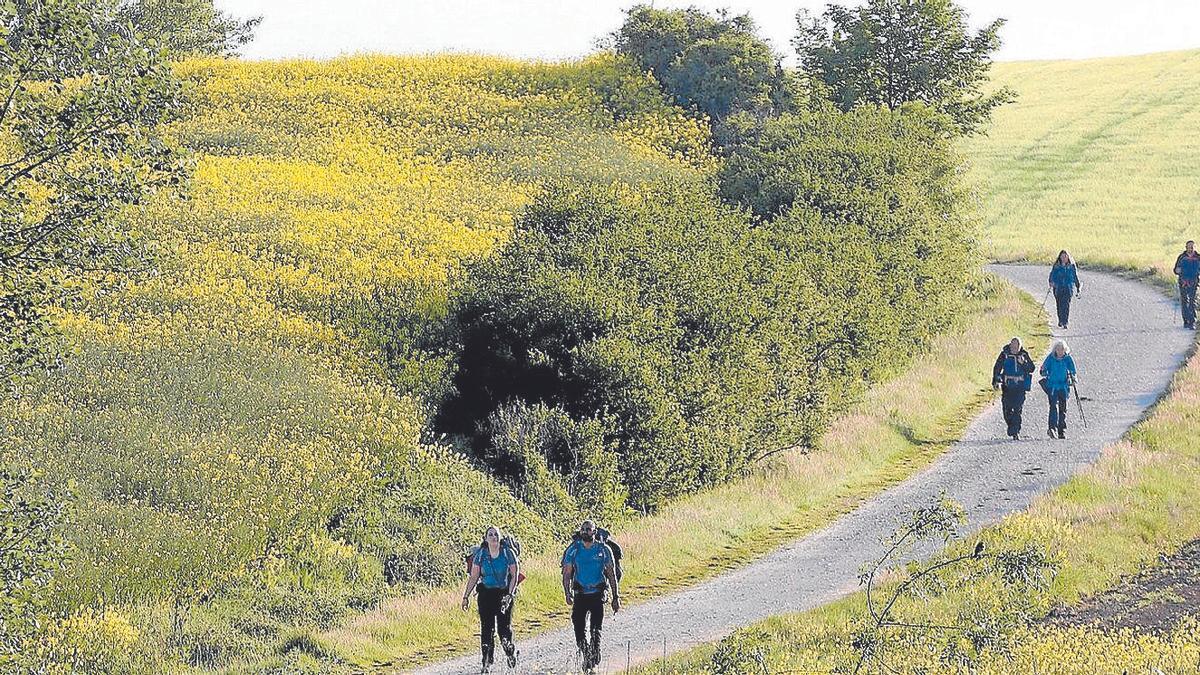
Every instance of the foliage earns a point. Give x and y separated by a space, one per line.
562 469
887 189
704 343
186 27
31 551
79 141
892 52
717 65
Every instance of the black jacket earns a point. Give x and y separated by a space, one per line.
1024 363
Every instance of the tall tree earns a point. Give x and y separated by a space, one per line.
715 64
187 27
80 111
891 52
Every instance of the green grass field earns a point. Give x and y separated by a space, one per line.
1101 157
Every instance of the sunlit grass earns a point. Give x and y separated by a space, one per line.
1100 157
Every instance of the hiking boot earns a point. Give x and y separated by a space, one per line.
1050 432
1062 433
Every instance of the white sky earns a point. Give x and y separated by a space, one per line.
555 29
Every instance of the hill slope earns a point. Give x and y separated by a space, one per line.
1101 157
242 427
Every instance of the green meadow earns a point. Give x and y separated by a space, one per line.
1100 157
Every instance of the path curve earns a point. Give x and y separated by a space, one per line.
1127 342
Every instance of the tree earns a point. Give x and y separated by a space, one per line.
892 52
187 27
80 109
717 65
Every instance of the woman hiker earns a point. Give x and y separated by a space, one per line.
494 569
1064 282
1059 371
1012 374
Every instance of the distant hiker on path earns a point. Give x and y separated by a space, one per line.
495 570
588 570
1187 268
1059 371
1013 375
1064 282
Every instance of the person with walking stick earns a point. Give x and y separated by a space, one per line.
1187 268
1058 375
1012 374
1064 282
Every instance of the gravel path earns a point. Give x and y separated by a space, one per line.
1127 342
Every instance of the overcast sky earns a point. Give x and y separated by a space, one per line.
555 29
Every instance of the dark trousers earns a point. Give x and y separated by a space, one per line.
1058 409
585 604
492 619
1012 397
1187 298
1062 300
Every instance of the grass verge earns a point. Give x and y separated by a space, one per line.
898 428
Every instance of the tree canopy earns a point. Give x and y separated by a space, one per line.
892 52
80 109
717 65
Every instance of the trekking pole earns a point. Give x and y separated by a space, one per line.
1044 299
1078 402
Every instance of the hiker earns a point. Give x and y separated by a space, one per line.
605 537
1059 372
1013 375
1064 282
1187 268
588 570
494 571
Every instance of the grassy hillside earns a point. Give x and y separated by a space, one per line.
234 421
1101 157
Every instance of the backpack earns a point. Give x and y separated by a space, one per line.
506 542
605 537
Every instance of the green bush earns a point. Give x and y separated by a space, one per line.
702 343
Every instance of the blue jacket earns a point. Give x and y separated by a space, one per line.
1188 269
1064 277
1056 371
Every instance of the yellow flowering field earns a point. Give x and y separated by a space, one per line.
222 413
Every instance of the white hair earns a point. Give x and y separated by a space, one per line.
1066 349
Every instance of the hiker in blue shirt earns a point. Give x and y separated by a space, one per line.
1059 371
494 570
1064 282
1013 375
1187 268
588 570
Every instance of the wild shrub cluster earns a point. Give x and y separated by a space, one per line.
702 339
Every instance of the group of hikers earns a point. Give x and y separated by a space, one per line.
591 563
1013 370
591 571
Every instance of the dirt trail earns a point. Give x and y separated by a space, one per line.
1127 342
